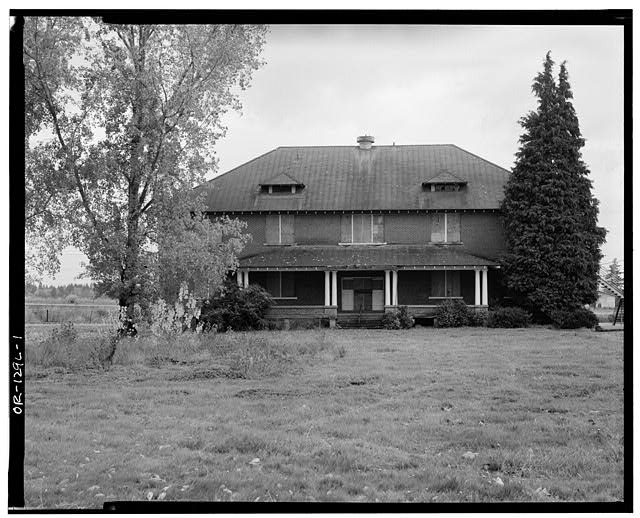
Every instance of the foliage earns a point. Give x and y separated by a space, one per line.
454 313
198 251
574 319
176 318
62 348
615 275
477 318
398 319
508 317
127 117
229 355
236 308
552 238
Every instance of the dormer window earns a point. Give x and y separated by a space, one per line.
444 182
281 184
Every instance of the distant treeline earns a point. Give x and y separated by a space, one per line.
84 291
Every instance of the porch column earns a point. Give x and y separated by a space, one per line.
394 284
387 288
477 287
334 288
485 288
246 278
327 289
239 276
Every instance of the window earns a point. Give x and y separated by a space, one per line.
362 228
279 229
445 227
441 187
281 284
278 189
445 284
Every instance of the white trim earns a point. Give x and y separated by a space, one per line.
371 226
352 228
445 240
370 244
485 288
327 288
334 288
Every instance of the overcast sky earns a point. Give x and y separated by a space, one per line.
464 85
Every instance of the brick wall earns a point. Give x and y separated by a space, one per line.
482 233
407 228
317 229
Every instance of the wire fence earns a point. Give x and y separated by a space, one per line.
43 313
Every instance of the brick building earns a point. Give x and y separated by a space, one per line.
339 230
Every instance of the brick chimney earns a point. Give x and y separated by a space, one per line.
365 141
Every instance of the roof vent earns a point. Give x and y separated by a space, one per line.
365 141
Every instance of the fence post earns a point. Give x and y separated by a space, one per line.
47 315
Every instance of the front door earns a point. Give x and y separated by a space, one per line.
362 294
362 300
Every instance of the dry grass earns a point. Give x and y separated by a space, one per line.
335 415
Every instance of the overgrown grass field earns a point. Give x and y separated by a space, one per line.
436 415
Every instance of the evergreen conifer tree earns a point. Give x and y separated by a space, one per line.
553 241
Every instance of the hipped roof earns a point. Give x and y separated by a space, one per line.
346 178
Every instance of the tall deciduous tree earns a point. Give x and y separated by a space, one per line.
132 113
552 237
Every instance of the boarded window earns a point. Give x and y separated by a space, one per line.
287 286
445 284
279 229
362 228
378 228
273 283
453 227
345 228
272 229
280 284
287 229
437 228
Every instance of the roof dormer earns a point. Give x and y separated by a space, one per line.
281 184
444 181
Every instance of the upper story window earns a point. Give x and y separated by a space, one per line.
444 181
445 227
281 184
279 229
362 228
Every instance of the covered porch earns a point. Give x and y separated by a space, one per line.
366 280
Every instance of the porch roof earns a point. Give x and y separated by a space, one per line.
364 257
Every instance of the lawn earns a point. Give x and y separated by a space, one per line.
435 415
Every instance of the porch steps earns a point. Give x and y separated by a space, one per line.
360 321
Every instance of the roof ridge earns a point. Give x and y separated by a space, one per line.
480 158
355 146
241 165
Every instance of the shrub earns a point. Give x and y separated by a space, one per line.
573 319
237 309
508 317
477 319
391 320
406 320
453 313
184 314
398 319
